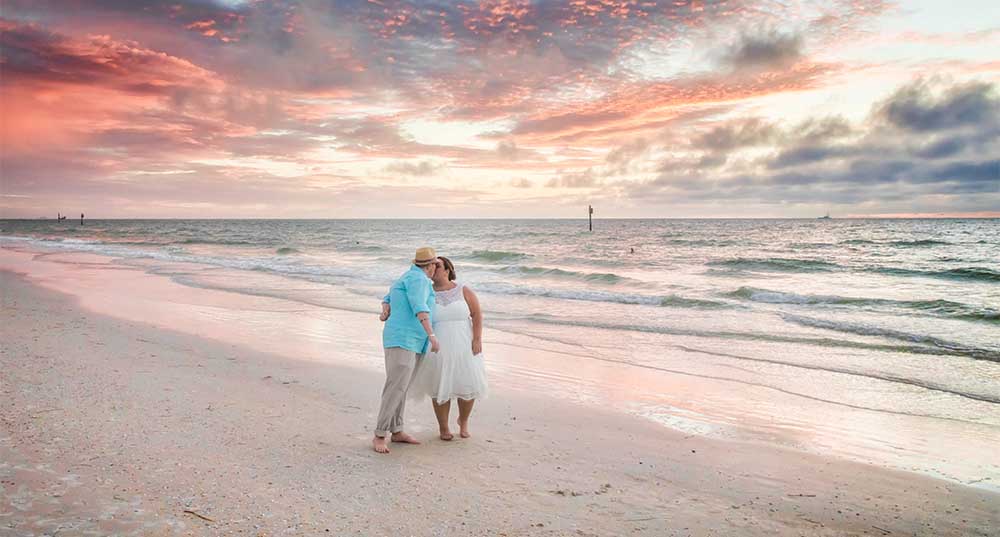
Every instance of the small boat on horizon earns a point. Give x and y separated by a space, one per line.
825 217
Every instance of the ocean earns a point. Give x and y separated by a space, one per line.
876 339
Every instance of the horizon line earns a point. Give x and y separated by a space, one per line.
542 218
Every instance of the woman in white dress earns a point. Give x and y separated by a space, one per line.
457 370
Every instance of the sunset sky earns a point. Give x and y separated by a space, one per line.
379 108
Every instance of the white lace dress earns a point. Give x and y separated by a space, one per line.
454 372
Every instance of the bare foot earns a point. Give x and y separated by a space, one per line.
464 429
404 438
380 445
446 435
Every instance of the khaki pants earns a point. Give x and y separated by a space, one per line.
399 367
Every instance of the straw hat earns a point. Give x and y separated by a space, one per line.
424 256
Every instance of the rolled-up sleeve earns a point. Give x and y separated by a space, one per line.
417 290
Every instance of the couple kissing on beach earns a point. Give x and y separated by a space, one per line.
433 341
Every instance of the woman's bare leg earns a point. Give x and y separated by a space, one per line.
464 410
441 412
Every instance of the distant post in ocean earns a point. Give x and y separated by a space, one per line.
590 217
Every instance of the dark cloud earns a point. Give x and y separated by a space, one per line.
887 158
986 173
30 50
808 154
743 133
31 55
764 51
916 108
943 148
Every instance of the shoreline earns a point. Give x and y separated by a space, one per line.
684 389
144 423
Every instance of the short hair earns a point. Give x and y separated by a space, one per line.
449 266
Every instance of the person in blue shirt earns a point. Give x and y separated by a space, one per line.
406 336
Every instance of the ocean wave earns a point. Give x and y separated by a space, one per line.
919 243
722 273
933 386
600 296
225 242
933 342
701 242
944 308
907 346
596 277
900 244
768 296
172 255
356 246
776 264
980 274
496 255
811 245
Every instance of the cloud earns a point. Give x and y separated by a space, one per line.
626 153
806 154
943 148
822 128
915 107
34 56
807 141
418 169
626 158
585 179
876 160
711 160
646 106
984 174
124 98
507 150
765 51
562 122
743 133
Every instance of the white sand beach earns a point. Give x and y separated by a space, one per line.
132 405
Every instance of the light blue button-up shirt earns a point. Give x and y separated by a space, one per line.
409 295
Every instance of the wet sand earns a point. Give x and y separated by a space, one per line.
130 425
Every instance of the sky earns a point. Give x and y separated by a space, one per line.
499 108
